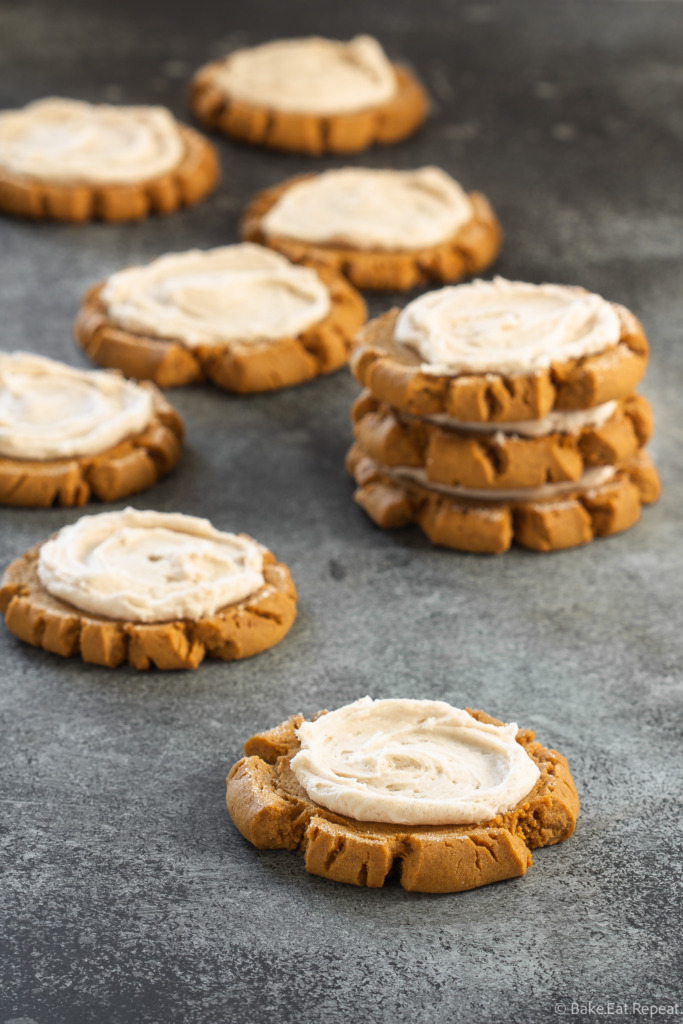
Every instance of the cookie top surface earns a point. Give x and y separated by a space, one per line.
371 209
506 327
70 142
244 293
412 762
309 76
49 410
141 566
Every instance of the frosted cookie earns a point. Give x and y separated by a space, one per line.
560 447
604 500
497 351
69 435
453 799
150 589
383 229
310 96
241 316
63 159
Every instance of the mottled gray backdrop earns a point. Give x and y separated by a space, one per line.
127 896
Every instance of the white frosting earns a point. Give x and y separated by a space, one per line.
243 293
309 76
372 209
506 327
412 762
591 479
554 422
71 142
149 566
51 411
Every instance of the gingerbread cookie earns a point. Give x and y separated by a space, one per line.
65 160
582 351
69 435
604 500
453 799
382 229
150 589
241 316
310 96
530 453
501 411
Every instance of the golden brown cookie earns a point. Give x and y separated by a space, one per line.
489 527
466 458
236 631
196 176
391 371
133 465
313 134
472 249
241 367
272 811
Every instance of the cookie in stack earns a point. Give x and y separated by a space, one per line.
501 411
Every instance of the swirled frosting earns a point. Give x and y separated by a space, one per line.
243 293
309 76
412 762
149 566
70 142
371 209
506 327
51 411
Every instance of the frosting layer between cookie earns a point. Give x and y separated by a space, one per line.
506 327
72 142
312 75
149 566
51 411
592 478
412 762
244 293
555 422
371 209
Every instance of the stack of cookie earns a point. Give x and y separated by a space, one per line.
501 411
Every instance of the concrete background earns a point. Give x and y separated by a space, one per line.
128 897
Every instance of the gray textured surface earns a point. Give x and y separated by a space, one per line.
128 897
